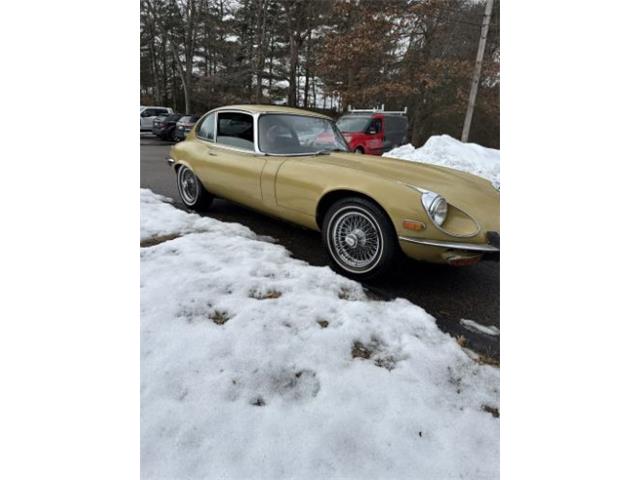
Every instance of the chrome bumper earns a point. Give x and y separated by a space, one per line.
471 247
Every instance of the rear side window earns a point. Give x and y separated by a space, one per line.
235 130
207 127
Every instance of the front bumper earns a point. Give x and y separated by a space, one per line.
451 252
467 247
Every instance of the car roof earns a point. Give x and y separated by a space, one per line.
272 109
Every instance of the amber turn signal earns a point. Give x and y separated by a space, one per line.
413 226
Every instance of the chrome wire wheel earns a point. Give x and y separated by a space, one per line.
188 186
355 239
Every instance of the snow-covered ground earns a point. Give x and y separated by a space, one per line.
255 365
478 327
446 151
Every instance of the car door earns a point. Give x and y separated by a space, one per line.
375 136
146 118
228 163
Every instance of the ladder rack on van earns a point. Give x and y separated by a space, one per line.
376 110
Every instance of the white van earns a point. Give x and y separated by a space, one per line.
147 114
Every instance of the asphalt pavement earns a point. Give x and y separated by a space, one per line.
447 293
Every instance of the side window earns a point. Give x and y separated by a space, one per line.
207 127
235 130
376 124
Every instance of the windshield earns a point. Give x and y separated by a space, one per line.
353 124
298 134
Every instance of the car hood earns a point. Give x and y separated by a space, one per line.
460 188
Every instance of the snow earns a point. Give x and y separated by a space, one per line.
477 327
254 365
446 151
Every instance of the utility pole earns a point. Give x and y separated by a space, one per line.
476 70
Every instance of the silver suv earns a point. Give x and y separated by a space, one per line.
147 114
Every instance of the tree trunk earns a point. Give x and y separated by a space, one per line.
293 69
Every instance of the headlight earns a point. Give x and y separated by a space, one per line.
436 207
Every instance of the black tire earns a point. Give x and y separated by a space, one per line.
359 150
171 135
192 192
359 238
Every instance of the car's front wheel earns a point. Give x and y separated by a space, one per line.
360 238
192 192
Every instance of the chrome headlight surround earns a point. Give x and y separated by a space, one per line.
435 206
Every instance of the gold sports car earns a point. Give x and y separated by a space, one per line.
295 165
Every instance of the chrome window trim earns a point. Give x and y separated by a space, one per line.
215 143
476 247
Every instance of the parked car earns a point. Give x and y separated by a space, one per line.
374 131
294 164
184 126
164 126
149 114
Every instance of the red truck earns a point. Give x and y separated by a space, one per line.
374 131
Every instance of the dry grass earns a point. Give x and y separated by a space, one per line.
268 295
486 360
150 242
358 350
220 317
323 323
492 410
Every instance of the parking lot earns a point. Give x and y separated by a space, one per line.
447 293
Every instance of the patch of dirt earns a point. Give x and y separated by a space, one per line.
492 410
220 317
347 294
358 350
455 380
268 295
323 323
150 242
486 360
375 351
258 402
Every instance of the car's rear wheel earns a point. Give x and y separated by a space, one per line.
360 238
192 192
